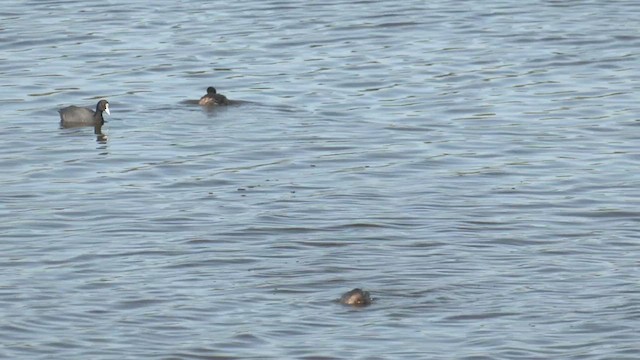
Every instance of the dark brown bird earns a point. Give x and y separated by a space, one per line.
212 98
356 297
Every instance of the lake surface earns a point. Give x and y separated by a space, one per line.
472 164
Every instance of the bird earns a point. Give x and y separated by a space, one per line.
74 116
356 297
212 98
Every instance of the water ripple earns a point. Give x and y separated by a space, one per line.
469 163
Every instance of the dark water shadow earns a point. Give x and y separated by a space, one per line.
236 103
77 129
214 110
231 103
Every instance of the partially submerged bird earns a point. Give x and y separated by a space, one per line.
356 297
212 98
75 116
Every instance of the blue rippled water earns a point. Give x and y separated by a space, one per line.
471 164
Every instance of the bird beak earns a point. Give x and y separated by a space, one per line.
106 109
